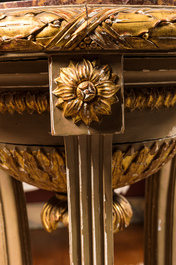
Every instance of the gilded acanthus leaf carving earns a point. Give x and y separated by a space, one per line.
133 165
38 168
86 90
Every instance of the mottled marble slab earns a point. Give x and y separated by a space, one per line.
31 3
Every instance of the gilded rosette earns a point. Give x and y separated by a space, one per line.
86 90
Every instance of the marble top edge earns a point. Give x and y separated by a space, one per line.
33 3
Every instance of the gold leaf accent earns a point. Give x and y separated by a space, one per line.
44 170
21 102
150 98
72 107
106 89
56 210
47 170
122 213
104 27
131 166
53 212
87 91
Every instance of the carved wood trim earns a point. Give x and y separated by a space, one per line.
47 170
21 102
88 28
150 98
86 90
44 170
133 165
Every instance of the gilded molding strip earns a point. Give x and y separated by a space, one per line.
20 102
94 28
149 98
47 170
134 99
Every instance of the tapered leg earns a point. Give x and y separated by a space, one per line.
14 239
88 161
160 217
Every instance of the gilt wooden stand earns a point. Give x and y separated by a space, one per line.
87 105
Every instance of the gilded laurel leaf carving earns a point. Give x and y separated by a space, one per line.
93 28
86 90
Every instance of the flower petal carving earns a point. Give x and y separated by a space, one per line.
72 107
87 114
68 76
64 91
84 70
106 89
86 91
102 107
101 73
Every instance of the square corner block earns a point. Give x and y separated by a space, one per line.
86 94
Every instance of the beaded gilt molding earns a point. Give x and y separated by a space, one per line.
87 28
48 171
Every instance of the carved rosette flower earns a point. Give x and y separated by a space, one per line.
86 90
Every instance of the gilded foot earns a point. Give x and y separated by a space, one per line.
55 211
122 213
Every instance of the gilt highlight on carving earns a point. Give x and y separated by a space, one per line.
86 91
101 27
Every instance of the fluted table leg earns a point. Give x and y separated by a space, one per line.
14 239
160 217
88 160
